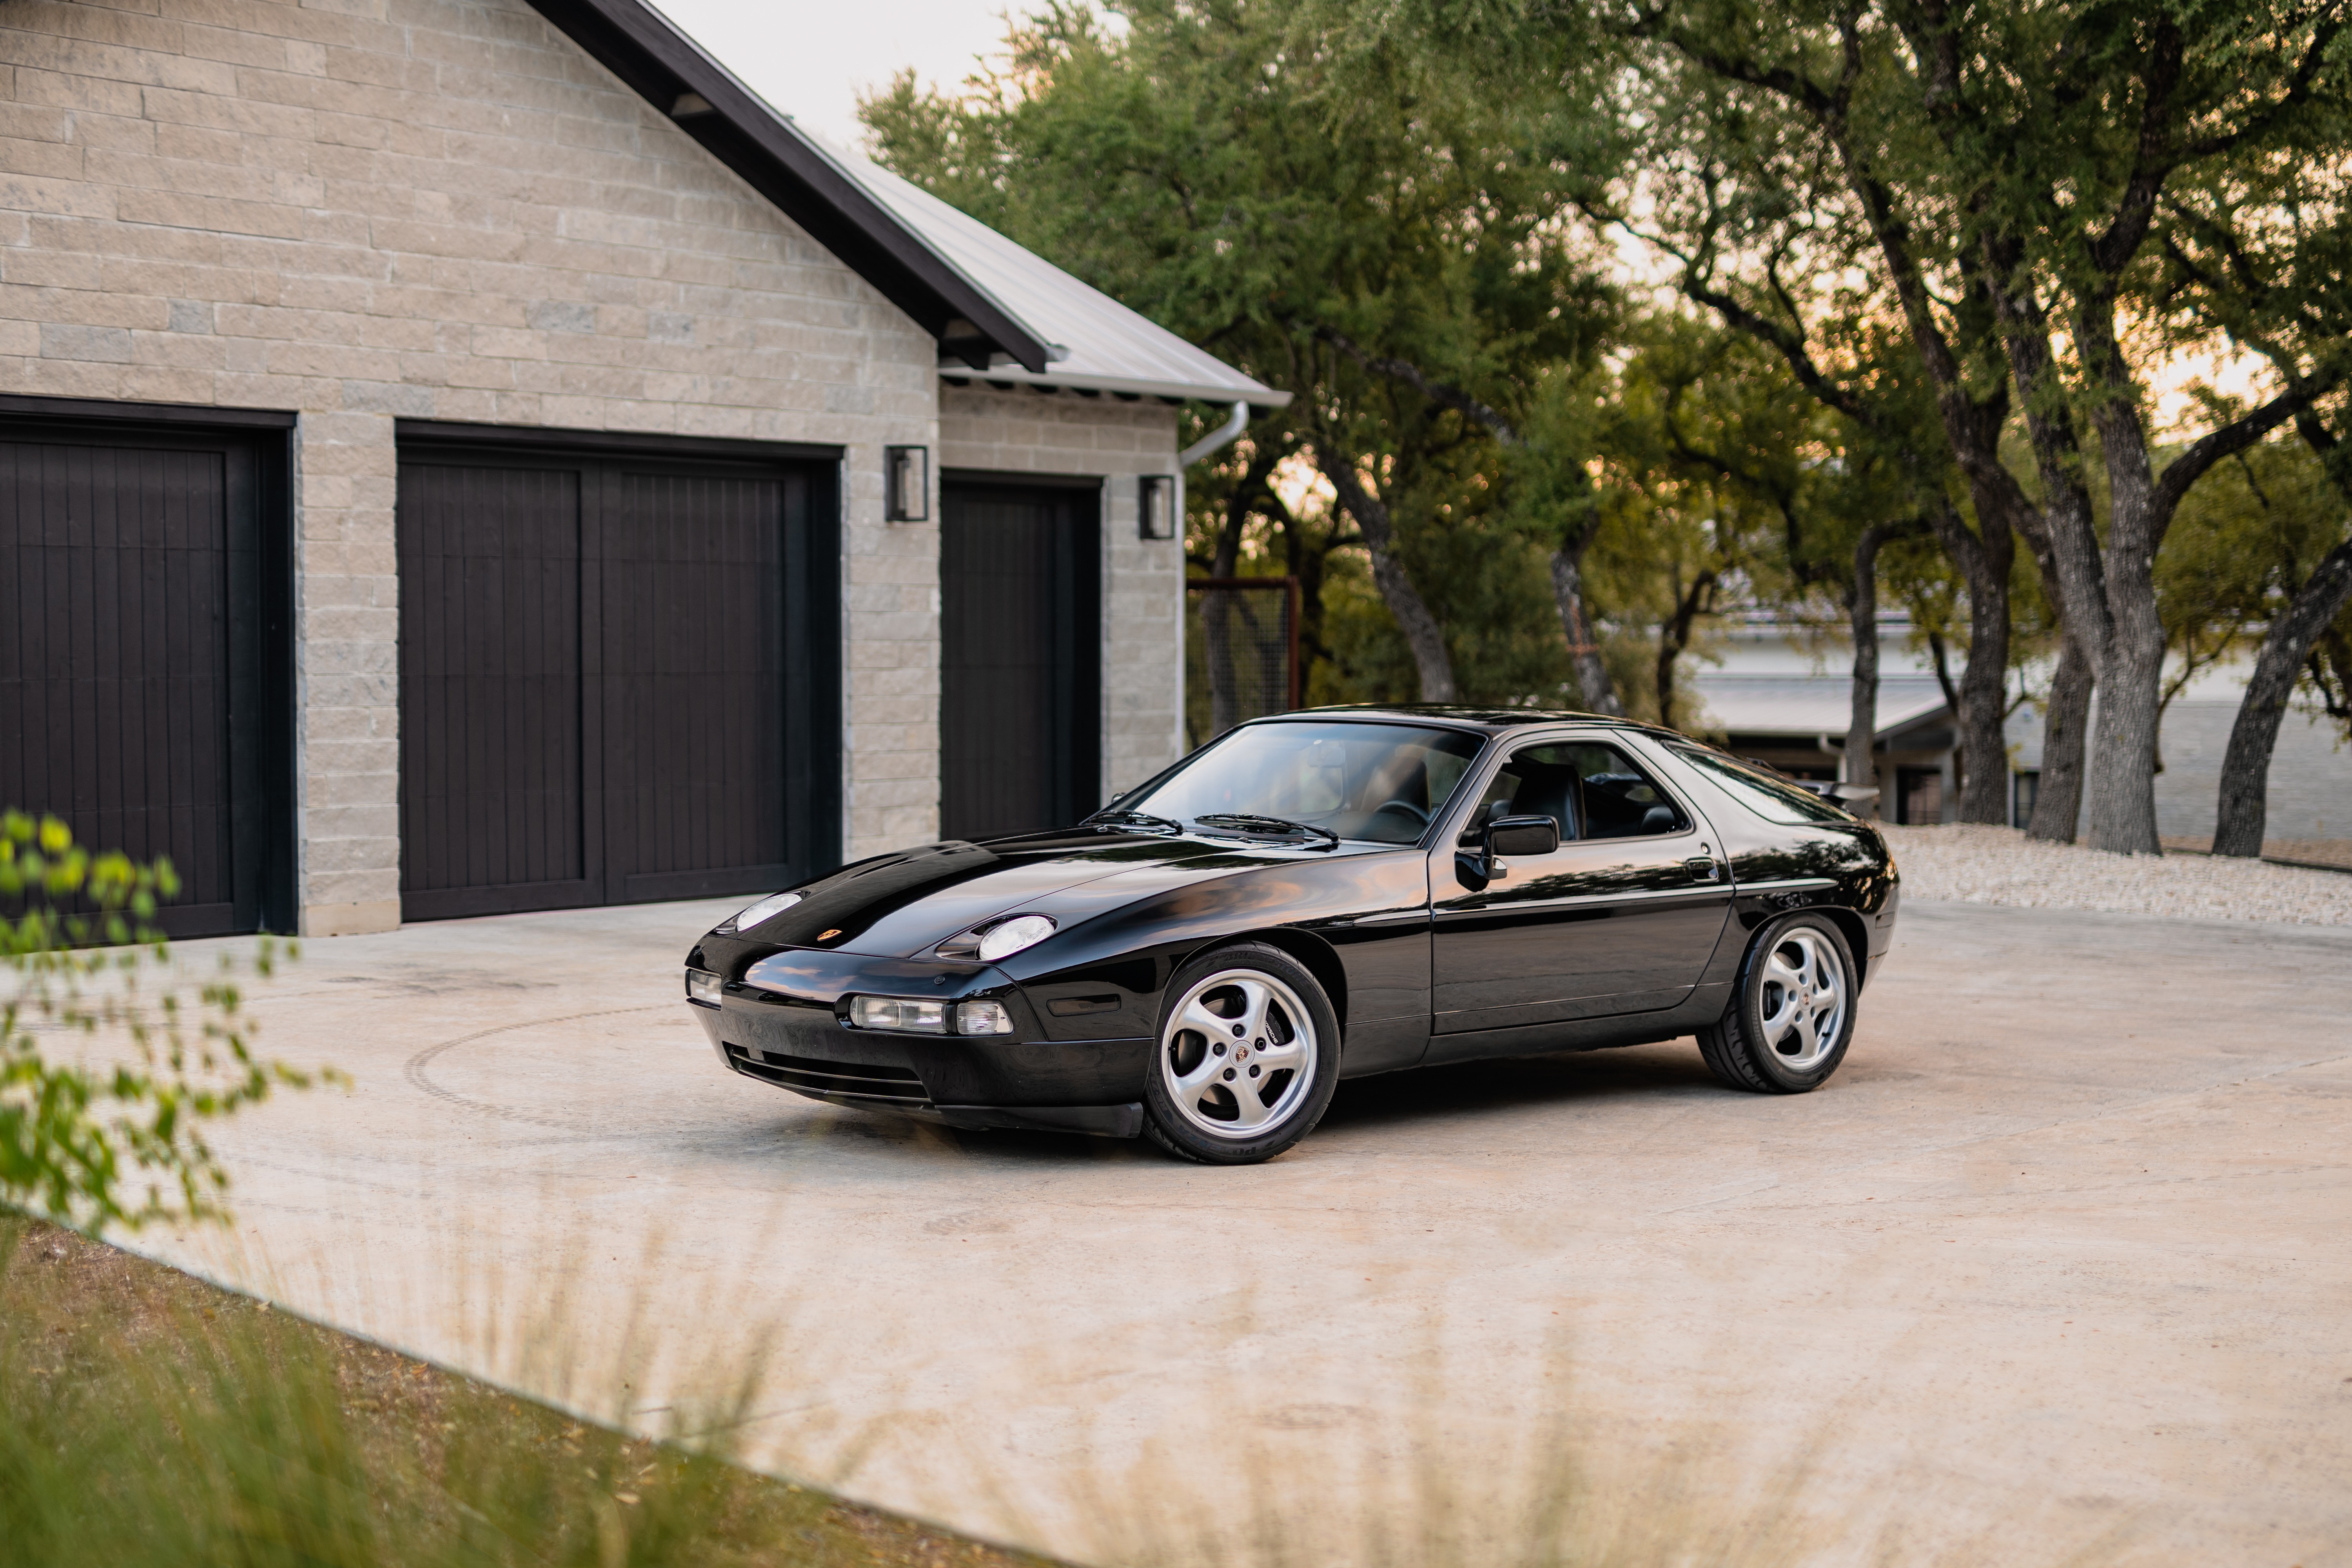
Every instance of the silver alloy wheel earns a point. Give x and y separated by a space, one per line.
1804 999
1238 1053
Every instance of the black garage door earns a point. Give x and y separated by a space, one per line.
1021 654
617 676
144 663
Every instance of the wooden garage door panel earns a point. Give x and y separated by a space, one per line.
599 664
491 683
1019 659
126 566
693 680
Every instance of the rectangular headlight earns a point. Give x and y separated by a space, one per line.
703 987
983 1018
904 1013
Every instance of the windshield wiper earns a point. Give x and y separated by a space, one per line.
1249 822
1112 821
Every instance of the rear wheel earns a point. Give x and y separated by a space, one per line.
1247 1057
1792 1017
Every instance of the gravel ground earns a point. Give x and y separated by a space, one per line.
2000 866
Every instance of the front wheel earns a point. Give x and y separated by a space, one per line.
1247 1057
1792 1017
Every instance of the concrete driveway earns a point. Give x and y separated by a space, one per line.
2056 1269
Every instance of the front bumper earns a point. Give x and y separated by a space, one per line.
781 1024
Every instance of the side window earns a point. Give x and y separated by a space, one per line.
1592 789
1773 799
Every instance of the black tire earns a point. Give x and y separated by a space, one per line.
1311 1040
1762 1043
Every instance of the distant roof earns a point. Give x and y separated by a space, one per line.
1814 705
980 294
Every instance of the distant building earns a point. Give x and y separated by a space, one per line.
1782 693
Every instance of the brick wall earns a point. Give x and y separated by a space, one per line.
1066 433
363 210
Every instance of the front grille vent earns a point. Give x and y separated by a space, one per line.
898 1087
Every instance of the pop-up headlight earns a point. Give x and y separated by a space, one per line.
1008 937
766 909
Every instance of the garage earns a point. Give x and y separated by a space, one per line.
619 668
1020 653
144 645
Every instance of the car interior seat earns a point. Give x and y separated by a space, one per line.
1550 789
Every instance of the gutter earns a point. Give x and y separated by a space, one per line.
1215 441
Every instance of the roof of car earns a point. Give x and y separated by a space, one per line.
1492 721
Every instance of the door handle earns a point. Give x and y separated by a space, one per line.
1704 867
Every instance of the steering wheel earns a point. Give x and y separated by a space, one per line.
1416 813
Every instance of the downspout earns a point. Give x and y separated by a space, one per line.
1215 441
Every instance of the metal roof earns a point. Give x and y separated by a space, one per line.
978 293
1811 705
1092 340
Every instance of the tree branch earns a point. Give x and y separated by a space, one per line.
2236 436
1436 391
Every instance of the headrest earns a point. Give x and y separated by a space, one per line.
1550 789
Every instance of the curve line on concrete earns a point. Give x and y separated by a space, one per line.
414 1072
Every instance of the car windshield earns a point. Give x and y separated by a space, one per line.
1377 783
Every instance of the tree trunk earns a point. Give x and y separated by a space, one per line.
2120 781
2065 716
2246 767
1674 636
1423 635
1983 692
1862 722
2066 723
1592 682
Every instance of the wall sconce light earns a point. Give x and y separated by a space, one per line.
1155 506
907 483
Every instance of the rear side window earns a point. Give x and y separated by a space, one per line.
1592 789
1774 800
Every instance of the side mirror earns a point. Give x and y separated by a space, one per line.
1522 835
1504 835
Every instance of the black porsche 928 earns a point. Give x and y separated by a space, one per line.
1318 896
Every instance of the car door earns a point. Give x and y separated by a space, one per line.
1622 918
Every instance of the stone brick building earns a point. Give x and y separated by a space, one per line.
457 457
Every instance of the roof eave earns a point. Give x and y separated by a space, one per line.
663 66
1083 381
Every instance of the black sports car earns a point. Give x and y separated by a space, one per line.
1318 896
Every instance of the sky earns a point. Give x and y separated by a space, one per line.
812 59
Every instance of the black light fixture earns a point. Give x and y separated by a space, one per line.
907 483
1155 506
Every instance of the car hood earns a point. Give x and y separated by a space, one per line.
905 904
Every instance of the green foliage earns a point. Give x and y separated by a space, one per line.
117 1140
1874 210
1309 203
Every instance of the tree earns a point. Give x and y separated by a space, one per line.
2262 553
1378 230
2280 292
76 1138
2008 167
